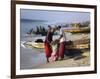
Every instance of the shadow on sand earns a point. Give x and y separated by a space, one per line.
74 53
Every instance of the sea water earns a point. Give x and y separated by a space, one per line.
30 58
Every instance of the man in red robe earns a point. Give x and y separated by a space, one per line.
62 40
48 40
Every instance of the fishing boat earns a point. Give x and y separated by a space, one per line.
77 44
38 45
78 30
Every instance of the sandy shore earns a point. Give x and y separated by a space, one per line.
76 61
32 58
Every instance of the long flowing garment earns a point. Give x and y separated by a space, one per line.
61 49
54 55
48 49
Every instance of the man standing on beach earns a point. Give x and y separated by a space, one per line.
48 40
62 40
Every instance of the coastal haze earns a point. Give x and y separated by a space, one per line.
30 57
32 18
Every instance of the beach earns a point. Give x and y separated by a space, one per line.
32 58
79 61
34 26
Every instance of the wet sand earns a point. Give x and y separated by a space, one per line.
33 60
83 60
30 58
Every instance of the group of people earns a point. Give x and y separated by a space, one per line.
54 49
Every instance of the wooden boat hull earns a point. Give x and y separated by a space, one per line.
79 30
38 45
77 44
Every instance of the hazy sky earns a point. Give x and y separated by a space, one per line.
55 16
